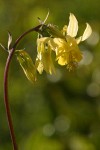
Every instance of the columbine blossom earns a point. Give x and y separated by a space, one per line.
67 50
65 47
51 42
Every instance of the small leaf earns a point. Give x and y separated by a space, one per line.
27 65
9 40
46 18
3 47
43 22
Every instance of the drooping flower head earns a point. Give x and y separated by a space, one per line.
64 43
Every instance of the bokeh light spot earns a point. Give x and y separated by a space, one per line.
93 39
87 58
48 130
93 90
96 76
55 77
62 124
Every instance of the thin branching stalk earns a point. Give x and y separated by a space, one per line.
6 100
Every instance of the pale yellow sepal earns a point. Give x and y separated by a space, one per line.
78 40
87 32
85 35
73 26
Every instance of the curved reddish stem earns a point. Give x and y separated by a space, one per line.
6 100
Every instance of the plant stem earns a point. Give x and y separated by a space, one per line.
6 100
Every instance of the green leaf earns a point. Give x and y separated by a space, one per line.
27 65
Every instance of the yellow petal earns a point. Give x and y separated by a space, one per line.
39 67
62 61
73 26
41 43
59 43
45 63
77 55
87 32
43 39
78 40
64 30
48 62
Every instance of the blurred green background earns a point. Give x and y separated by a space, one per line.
59 112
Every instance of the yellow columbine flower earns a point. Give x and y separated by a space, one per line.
67 50
44 59
63 43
